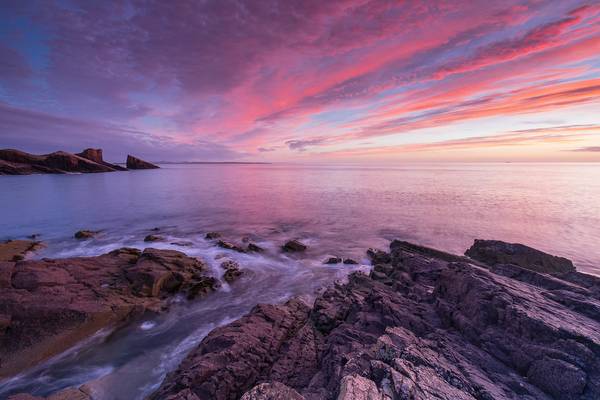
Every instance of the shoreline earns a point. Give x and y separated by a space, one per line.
418 277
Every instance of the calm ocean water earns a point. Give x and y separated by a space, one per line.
338 210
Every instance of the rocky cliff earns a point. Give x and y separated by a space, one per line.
423 325
136 163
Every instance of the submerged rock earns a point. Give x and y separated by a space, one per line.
427 325
17 250
138 163
212 235
494 252
294 246
333 260
230 246
350 261
154 238
46 306
253 247
85 234
232 270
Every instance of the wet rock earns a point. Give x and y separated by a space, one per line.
428 325
212 235
494 252
154 238
230 246
49 305
378 256
183 244
294 246
333 260
253 247
138 163
66 394
85 234
272 391
350 261
232 270
17 250
15 162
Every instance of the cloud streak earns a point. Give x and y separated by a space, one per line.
282 79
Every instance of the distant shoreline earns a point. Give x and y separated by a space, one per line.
211 162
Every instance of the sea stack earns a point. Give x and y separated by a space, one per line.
137 163
95 155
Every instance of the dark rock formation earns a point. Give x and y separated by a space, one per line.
85 234
426 325
95 155
253 247
294 246
212 235
350 261
15 162
48 305
230 246
153 238
332 260
493 252
17 250
232 270
136 163
378 256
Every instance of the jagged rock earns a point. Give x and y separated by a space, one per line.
15 162
356 387
232 270
378 256
333 260
154 238
427 326
294 246
350 261
494 252
137 163
85 234
212 235
95 155
17 250
253 247
46 306
230 246
272 391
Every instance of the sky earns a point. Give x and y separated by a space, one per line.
303 81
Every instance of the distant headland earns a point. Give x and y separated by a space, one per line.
16 162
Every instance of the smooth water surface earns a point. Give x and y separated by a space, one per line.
339 210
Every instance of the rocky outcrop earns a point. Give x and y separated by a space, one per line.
17 250
95 155
137 163
48 305
494 252
85 234
15 162
232 271
423 324
293 246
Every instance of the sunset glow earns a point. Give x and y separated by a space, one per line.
303 80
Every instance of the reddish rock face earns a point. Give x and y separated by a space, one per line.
46 306
92 154
17 250
137 163
425 325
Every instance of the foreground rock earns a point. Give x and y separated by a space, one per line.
46 306
17 250
424 325
494 252
15 162
137 163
